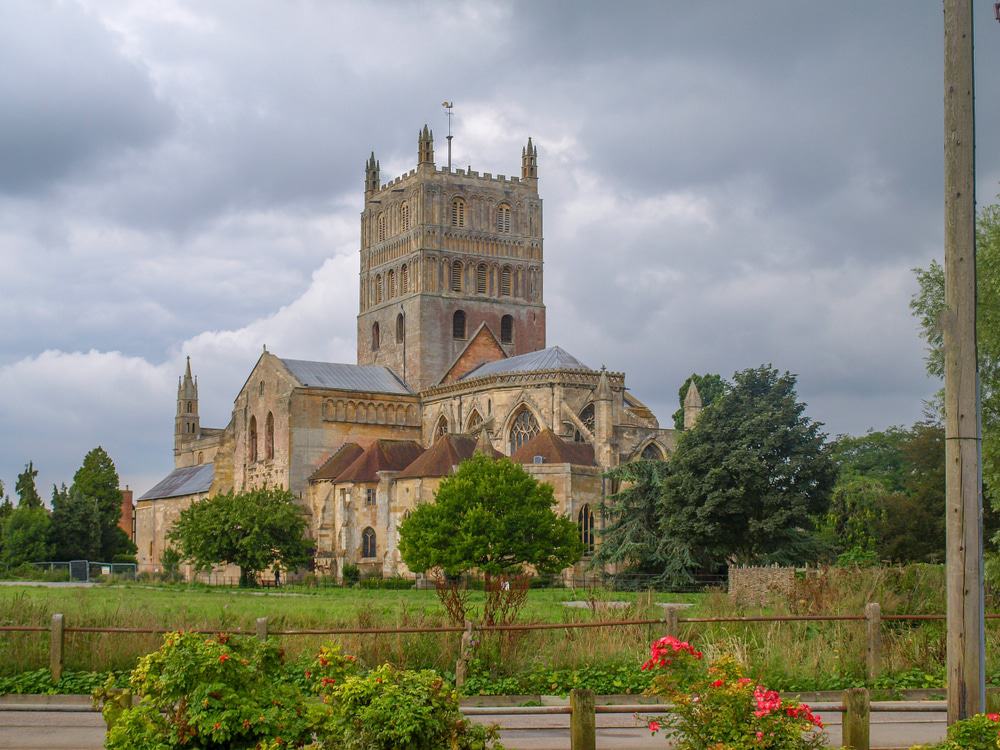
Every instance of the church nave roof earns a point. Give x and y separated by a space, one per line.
344 377
188 480
553 358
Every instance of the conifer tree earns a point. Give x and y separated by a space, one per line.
75 528
27 493
97 480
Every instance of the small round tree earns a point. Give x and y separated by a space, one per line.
492 518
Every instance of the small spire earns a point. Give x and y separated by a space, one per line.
187 371
483 444
529 161
603 392
265 348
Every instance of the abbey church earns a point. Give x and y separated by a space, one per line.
452 360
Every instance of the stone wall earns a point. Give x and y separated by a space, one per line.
758 585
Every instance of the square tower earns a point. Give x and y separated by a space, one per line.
444 252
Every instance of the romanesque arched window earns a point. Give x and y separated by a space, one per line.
481 278
585 522
652 452
507 329
404 215
441 428
503 218
522 429
399 328
458 324
404 279
381 227
378 288
190 407
587 417
252 439
456 276
390 279
458 212
505 281
475 419
260 388
201 457
269 436
375 337
368 546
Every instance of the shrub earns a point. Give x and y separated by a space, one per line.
980 732
395 582
352 574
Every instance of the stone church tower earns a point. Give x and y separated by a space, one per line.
187 425
444 253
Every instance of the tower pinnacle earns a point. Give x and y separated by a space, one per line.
529 161
425 147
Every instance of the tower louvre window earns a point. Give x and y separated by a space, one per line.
456 276
378 288
458 324
507 329
404 216
390 292
404 279
522 429
503 218
458 213
481 278
375 337
381 227
505 281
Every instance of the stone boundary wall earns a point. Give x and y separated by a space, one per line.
757 585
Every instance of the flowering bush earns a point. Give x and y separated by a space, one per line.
980 732
716 707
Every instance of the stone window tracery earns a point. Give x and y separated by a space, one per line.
507 329
585 522
522 429
475 419
652 452
368 546
587 417
441 429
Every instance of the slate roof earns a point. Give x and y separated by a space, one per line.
372 378
189 480
554 450
343 457
447 452
553 358
382 455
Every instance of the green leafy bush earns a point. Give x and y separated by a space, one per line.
39 682
352 574
393 583
980 732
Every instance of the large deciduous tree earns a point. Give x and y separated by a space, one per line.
748 481
26 536
252 530
493 518
27 492
75 530
631 536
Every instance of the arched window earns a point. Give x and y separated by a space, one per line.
404 279
503 218
456 276
507 329
458 324
201 457
481 278
585 520
189 407
404 215
260 388
458 213
399 328
375 337
475 419
652 452
368 546
378 288
381 227
587 417
269 437
522 429
505 281
441 428
252 440
390 278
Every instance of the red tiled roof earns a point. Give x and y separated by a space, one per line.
438 460
343 457
554 450
382 455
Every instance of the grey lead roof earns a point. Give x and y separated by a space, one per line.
553 358
189 480
372 378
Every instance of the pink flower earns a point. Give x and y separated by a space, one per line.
993 717
654 726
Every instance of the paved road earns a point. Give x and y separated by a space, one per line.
84 730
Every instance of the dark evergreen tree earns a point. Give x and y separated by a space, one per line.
27 493
75 528
97 480
631 536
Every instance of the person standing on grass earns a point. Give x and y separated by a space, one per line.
277 576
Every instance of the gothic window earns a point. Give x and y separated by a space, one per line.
442 428
481 279
474 421
505 281
503 218
378 288
507 329
381 227
458 325
522 429
370 497
260 388
404 279
390 278
189 409
585 521
458 213
456 276
399 328
368 542
652 452
269 437
201 457
404 215
253 439
587 417
375 337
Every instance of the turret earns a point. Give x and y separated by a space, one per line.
187 425
692 405
529 162
371 175
604 428
425 147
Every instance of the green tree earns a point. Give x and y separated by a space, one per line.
97 480
928 305
6 508
631 535
710 386
252 530
875 455
75 529
747 483
26 536
27 493
857 517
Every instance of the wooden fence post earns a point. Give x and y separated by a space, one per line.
262 628
873 638
56 640
583 720
462 665
857 728
673 627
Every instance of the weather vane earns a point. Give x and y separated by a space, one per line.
449 106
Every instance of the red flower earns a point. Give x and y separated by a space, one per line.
718 683
654 726
223 658
993 717
217 726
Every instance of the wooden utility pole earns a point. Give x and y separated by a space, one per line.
963 478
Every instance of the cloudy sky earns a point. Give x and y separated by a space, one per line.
725 184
